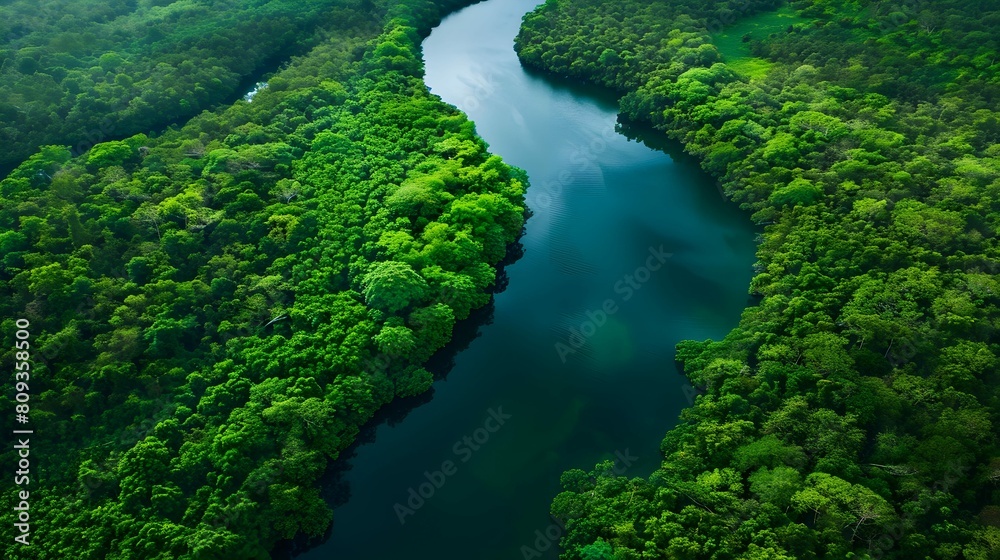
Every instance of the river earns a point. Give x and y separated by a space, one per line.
630 250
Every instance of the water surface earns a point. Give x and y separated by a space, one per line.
629 251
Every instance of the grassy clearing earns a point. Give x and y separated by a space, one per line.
736 52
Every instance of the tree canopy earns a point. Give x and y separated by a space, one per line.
852 412
216 310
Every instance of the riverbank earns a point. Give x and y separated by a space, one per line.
603 205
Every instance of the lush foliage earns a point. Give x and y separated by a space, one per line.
217 310
80 72
853 412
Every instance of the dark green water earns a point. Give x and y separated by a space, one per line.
614 221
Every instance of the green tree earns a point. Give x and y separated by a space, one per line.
393 286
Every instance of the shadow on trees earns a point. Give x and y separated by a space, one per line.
334 487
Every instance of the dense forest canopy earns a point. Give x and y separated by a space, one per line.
217 307
81 72
215 311
853 412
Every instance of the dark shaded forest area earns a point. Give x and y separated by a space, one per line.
79 73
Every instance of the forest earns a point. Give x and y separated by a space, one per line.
223 292
853 411
79 73
217 309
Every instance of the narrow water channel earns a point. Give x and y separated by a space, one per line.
630 250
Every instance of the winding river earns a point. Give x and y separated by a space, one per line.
630 249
